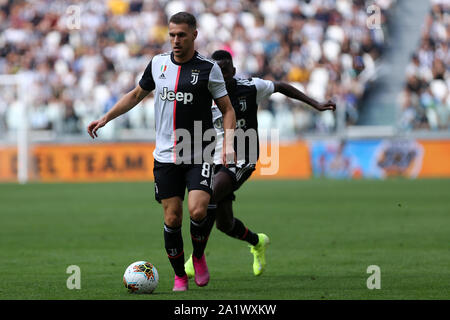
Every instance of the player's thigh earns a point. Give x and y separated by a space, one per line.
228 180
169 181
199 180
198 201
173 211
223 186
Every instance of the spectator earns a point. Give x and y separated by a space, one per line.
427 75
322 46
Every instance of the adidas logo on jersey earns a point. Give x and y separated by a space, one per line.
162 76
204 183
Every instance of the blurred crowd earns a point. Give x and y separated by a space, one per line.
425 100
81 56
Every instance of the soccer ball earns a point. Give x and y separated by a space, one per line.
141 277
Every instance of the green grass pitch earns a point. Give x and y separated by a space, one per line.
324 234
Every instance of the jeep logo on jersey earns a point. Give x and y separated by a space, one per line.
240 123
185 97
194 76
243 104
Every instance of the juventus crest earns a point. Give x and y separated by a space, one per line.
194 76
243 103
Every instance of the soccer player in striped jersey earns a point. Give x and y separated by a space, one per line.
185 84
245 95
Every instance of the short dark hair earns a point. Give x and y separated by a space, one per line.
184 17
221 55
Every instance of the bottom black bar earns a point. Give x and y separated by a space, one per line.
228 309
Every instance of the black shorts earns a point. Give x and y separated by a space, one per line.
239 173
172 179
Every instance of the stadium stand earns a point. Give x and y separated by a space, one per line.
323 47
425 100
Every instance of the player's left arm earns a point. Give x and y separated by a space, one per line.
291 92
217 88
229 123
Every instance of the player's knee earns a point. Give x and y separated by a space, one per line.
197 212
173 217
173 221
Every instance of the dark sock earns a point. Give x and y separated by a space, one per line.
200 231
173 241
243 233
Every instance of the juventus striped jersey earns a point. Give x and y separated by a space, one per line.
183 94
245 97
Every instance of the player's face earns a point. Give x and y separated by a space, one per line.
228 70
182 38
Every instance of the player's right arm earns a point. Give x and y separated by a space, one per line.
265 88
126 103
293 93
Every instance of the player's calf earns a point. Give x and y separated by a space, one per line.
231 226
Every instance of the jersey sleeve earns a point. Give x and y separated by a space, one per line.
216 84
147 82
264 89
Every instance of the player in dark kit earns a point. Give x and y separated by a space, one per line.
185 84
245 95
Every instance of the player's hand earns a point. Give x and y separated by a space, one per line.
94 126
329 105
228 155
